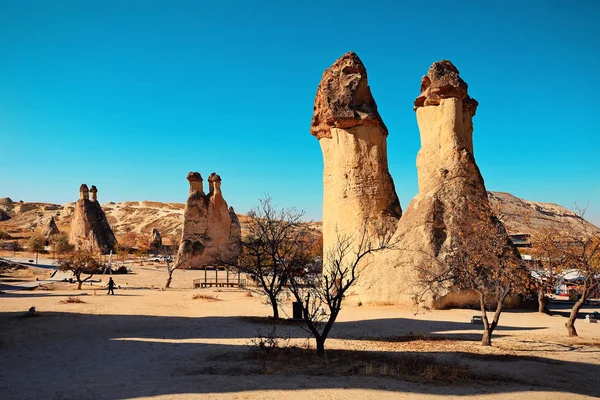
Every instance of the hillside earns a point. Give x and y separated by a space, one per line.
524 216
520 216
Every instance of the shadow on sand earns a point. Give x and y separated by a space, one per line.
125 356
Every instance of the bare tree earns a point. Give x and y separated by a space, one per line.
482 259
576 248
168 253
322 294
80 263
545 265
271 238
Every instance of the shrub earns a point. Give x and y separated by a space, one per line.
72 300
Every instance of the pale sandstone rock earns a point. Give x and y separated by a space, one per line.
352 135
50 229
90 229
211 229
155 240
6 204
358 187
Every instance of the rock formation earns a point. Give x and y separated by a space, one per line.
155 240
89 227
358 188
211 229
352 135
6 204
50 229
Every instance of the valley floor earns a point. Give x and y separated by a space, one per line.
166 344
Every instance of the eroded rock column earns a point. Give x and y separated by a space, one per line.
444 115
358 187
211 229
90 229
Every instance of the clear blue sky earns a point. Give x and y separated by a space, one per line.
131 95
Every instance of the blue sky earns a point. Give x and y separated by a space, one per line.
131 95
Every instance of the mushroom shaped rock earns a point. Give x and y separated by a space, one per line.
210 232
358 188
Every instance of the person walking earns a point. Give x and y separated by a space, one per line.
111 287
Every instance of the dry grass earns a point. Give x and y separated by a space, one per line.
72 300
208 297
509 358
405 366
411 337
381 303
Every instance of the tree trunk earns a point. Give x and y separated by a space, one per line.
542 302
168 284
486 339
79 283
321 345
570 324
275 307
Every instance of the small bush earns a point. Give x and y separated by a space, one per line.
200 296
72 300
269 341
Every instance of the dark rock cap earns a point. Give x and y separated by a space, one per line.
441 82
194 176
344 98
214 177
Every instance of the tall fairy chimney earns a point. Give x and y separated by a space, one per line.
445 118
358 188
84 192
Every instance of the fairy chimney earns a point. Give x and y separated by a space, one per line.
155 240
359 190
90 229
195 180
94 192
84 192
50 229
214 182
211 229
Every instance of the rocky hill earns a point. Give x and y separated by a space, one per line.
520 216
524 216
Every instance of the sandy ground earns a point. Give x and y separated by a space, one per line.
152 343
